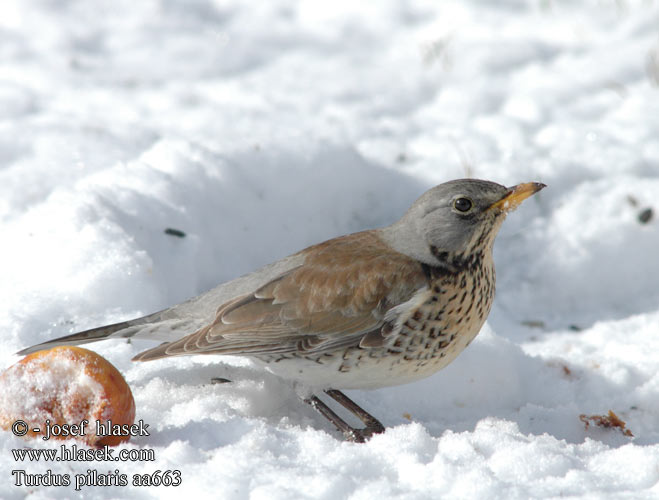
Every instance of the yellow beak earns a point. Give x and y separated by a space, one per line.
516 195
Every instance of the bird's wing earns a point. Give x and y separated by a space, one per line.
339 293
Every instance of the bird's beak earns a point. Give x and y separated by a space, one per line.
516 195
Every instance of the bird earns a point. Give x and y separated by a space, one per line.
371 309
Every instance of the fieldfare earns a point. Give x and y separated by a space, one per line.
371 309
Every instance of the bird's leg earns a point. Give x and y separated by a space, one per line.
373 426
350 433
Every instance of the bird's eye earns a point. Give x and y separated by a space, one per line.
462 204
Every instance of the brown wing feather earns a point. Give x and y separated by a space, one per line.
338 295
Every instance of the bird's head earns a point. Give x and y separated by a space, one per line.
456 218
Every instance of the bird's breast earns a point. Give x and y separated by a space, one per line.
436 329
439 322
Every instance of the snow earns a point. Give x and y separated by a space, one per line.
258 130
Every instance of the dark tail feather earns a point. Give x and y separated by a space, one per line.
93 335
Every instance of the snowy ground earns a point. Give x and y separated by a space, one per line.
259 130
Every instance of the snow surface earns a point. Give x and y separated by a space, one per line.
260 129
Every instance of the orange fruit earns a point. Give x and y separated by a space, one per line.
66 385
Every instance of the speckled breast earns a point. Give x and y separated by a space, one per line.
447 319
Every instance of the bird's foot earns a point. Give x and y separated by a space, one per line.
372 425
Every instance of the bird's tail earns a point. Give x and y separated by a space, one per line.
122 330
